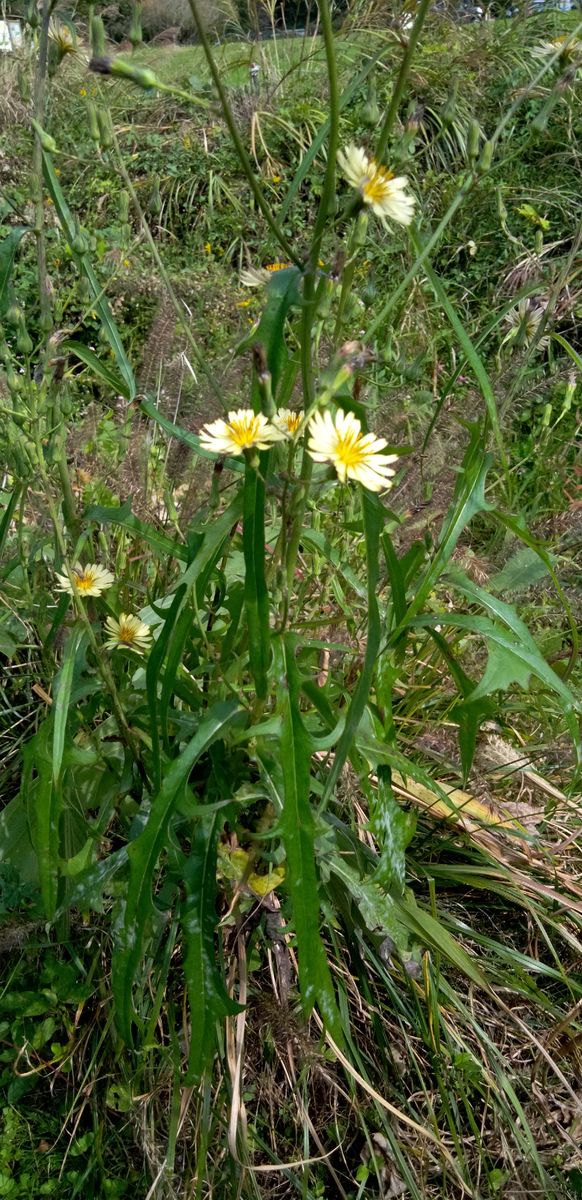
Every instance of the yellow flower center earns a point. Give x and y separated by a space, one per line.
85 581
349 451
245 431
277 266
375 186
293 422
126 634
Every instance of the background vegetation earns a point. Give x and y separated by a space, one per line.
403 760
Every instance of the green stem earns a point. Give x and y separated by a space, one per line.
39 112
400 84
244 160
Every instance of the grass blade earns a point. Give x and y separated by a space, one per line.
256 593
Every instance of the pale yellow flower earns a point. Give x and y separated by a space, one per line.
128 633
259 276
568 53
288 421
244 430
355 455
86 581
62 36
383 192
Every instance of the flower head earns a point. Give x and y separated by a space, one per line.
355 455
259 276
569 48
128 633
62 36
384 193
523 322
288 421
244 430
86 581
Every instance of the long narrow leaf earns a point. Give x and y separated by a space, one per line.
143 854
151 410
298 831
207 995
60 710
8 248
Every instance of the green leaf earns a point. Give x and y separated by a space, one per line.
430 933
521 571
165 546
393 828
99 368
84 264
43 800
207 996
256 593
283 293
8 248
60 710
298 832
143 854
379 910
153 669
373 515
468 499
149 407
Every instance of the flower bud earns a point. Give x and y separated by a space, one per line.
97 36
47 142
473 138
93 122
484 163
142 76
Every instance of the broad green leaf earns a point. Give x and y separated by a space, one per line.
151 410
379 910
43 801
60 709
15 841
143 854
256 594
521 571
393 829
8 248
6 519
207 996
298 832
84 265
283 293
373 515
99 368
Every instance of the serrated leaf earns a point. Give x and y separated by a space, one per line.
379 910
393 829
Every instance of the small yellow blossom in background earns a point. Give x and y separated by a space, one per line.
208 247
126 262
275 178
82 91
86 581
244 303
384 193
288 421
355 455
128 633
244 430
57 170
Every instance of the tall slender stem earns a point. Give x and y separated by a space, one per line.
403 73
39 112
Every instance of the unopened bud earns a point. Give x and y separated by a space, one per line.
142 76
97 37
473 139
47 142
486 159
